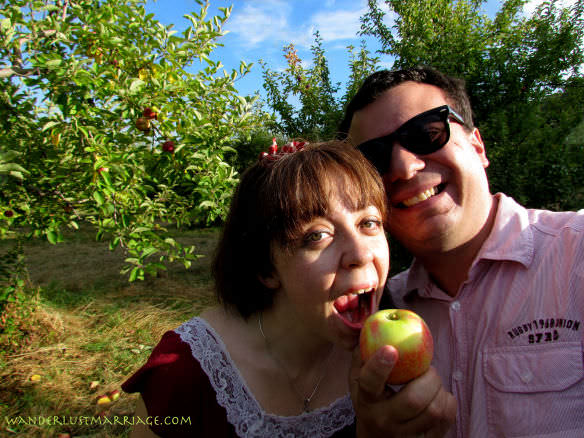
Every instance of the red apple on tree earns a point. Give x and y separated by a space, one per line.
150 113
168 146
143 124
408 333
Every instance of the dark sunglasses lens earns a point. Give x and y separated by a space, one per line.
378 153
424 136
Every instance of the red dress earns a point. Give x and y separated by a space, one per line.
191 387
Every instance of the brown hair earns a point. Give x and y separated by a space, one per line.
379 82
274 199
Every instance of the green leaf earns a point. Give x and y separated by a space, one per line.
134 273
149 251
136 86
5 24
52 237
98 196
54 63
11 167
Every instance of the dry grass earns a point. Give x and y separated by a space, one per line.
90 324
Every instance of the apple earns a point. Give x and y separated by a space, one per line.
168 146
103 400
114 395
408 333
150 113
143 124
8 213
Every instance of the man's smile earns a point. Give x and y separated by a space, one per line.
420 197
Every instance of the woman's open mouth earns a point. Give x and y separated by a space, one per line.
354 308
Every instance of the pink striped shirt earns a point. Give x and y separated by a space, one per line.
510 345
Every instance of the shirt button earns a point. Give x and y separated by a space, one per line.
527 377
457 375
455 306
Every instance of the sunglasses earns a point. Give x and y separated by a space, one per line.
423 134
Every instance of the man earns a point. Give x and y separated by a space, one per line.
501 287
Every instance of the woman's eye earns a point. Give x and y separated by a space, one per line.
316 236
371 224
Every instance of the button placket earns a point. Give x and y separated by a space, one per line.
458 354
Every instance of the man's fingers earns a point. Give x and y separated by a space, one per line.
371 377
418 394
420 406
445 414
425 406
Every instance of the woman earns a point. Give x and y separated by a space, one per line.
301 263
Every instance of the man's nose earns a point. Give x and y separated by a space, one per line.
404 164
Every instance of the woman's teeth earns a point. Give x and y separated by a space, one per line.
420 197
355 307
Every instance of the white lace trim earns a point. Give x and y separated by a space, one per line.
243 410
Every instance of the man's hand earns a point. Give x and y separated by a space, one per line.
422 407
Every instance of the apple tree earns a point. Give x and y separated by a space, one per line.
110 118
307 104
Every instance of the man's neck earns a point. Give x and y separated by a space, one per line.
450 269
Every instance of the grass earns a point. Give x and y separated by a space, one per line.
86 323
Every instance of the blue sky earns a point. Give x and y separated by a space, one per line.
259 29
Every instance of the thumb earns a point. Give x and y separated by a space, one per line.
374 373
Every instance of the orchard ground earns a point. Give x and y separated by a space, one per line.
86 323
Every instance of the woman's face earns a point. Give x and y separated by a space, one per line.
334 274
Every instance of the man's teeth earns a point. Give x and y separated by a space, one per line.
420 197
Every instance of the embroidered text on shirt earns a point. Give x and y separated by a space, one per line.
544 330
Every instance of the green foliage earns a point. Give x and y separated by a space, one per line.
249 149
77 144
524 78
13 276
305 101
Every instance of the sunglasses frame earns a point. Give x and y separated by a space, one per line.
378 153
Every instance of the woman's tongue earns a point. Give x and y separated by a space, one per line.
354 309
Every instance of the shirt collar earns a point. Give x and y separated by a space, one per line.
511 238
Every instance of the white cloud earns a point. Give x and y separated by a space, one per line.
338 25
259 22
530 7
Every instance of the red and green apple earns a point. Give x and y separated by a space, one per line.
407 333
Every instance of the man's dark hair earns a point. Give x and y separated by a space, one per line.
274 200
381 81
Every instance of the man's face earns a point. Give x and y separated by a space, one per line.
440 201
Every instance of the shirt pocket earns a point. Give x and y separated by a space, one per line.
535 390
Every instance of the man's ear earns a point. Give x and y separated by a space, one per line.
271 281
479 147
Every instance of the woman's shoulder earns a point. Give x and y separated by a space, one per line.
173 360
175 384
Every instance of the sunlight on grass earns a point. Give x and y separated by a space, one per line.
90 325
